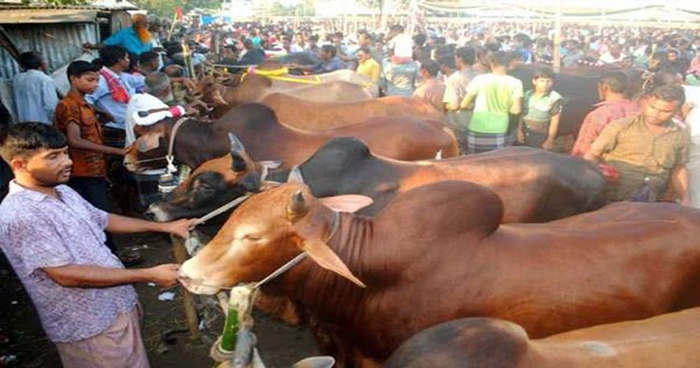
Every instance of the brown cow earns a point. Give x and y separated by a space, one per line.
254 89
284 81
535 185
670 340
310 115
266 139
437 253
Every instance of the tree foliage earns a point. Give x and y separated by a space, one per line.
61 2
303 8
166 8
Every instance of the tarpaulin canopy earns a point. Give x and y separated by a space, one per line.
611 9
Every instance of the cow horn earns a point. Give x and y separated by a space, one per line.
238 163
295 175
298 207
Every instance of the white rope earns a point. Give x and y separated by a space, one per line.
169 157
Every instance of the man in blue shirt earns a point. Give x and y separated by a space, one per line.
136 39
116 87
34 91
329 62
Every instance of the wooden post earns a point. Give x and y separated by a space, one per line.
386 8
180 254
556 52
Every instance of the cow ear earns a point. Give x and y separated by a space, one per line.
238 163
298 207
271 164
295 175
347 202
324 256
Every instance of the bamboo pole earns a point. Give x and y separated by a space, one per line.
172 26
180 254
556 52
386 8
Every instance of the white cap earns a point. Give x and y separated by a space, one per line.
146 102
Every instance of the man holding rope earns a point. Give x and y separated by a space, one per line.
55 242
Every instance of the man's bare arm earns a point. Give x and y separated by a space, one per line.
122 224
679 180
85 276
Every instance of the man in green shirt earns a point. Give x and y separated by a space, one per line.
493 97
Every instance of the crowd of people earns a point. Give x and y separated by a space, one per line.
643 143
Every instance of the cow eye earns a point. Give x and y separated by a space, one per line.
252 238
201 185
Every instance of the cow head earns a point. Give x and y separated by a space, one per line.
267 231
149 150
213 184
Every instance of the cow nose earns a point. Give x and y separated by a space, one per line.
182 276
149 213
155 212
129 164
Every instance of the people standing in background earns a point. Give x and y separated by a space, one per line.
149 62
115 87
329 62
367 66
571 55
300 44
648 150
431 89
691 115
447 68
614 106
542 107
399 76
494 97
137 39
455 90
252 55
34 91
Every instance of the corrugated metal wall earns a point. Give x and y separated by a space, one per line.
60 43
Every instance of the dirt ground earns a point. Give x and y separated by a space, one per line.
280 345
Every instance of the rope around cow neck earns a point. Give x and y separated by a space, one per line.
169 158
235 202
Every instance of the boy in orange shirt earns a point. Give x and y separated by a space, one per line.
76 119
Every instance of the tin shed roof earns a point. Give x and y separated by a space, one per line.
44 16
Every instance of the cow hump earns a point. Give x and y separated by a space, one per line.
464 343
447 207
336 156
252 115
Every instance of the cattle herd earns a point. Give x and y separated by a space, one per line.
418 257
